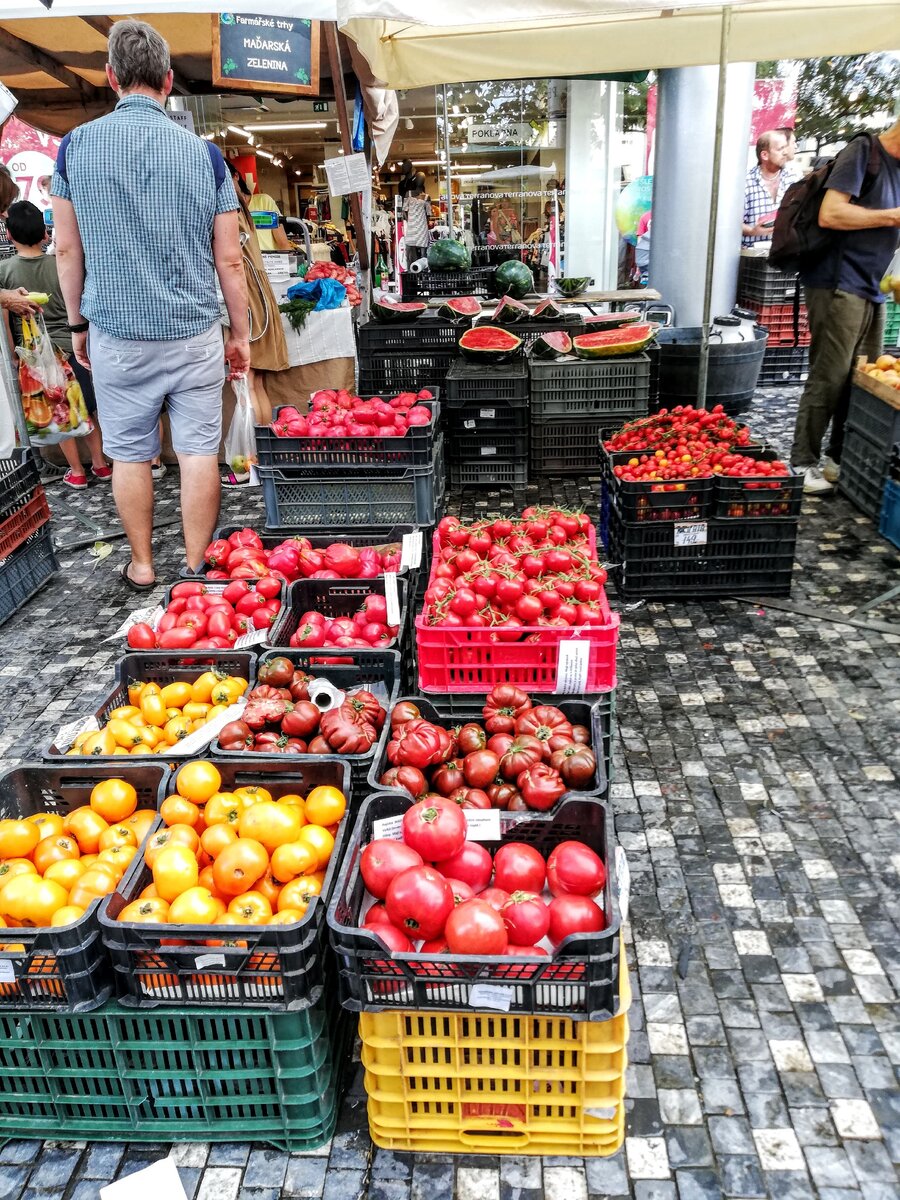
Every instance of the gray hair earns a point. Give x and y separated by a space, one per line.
138 55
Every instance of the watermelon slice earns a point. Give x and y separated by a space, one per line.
613 320
459 308
508 311
489 344
395 310
552 344
548 310
609 342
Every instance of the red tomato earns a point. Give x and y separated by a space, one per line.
392 937
269 587
461 891
181 638
480 768
471 863
382 860
574 869
436 829
495 897
526 951
419 901
141 637
527 918
519 868
475 927
574 914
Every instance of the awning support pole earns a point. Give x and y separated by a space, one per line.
363 234
703 370
447 157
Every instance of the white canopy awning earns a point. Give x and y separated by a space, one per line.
315 10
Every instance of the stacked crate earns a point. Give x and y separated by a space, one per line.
772 297
27 560
871 432
407 356
423 285
892 325
486 423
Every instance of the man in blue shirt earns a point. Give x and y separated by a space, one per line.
846 307
146 217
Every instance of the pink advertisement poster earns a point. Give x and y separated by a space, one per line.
29 155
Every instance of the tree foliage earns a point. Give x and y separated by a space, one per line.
836 97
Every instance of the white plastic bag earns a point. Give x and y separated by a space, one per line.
240 441
52 399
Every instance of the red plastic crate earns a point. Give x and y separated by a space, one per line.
23 523
436 549
778 319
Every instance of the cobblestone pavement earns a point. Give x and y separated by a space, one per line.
756 796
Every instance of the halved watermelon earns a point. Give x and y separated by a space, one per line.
386 309
458 308
548 310
609 342
612 320
552 344
509 311
489 343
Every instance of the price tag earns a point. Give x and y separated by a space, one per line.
482 824
487 414
491 995
391 597
159 1179
388 827
69 732
209 960
468 424
140 615
690 533
623 883
411 549
7 971
254 638
488 450
572 666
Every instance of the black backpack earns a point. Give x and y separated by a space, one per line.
798 241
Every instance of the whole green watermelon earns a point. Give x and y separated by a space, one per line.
514 279
448 255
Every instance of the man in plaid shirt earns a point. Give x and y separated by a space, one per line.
766 184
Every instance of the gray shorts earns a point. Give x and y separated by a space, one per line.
133 381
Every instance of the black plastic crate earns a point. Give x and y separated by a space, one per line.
873 417
580 981
529 329
64 967
19 476
268 966
642 500
764 498
484 421
570 447
605 387
371 456
482 448
378 670
481 383
162 667
337 598
864 470
386 374
428 332
478 281
784 366
762 284
26 571
737 558
495 472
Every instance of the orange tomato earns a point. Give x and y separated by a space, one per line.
117 835
196 906
118 857
14 867
239 866
215 838
52 850
140 822
85 826
99 743
176 695
251 906
174 871
124 712
272 824
293 859
99 880
267 885
223 808
153 710
67 915
201 688
320 840
149 893
181 835
114 800
145 912
325 806
198 781
126 734
47 823
144 749
65 872
299 893
175 810
287 916
252 793
196 712
88 860
135 687
18 838
207 879
177 728
30 901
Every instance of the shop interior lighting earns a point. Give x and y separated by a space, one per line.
240 132
280 125
266 154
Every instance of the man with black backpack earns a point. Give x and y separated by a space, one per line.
839 227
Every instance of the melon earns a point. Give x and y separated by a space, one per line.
613 320
572 285
508 311
459 308
548 310
609 342
387 309
489 344
514 279
448 255
552 344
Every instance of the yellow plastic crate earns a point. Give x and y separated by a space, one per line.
515 1084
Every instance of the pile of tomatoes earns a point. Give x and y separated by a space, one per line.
434 892
236 858
679 426
52 867
330 270
367 629
523 757
295 558
538 570
279 717
340 414
197 618
693 461
157 717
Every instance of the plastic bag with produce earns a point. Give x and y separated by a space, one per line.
52 399
240 441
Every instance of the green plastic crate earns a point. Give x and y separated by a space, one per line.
891 323
119 1074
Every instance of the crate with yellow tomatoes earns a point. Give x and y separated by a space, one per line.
69 833
226 904
160 699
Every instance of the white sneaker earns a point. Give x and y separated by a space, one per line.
815 483
831 470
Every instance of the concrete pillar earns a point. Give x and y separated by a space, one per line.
593 128
682 182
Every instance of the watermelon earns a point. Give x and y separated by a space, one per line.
448 255
489 344
514 279
548 310
612 320
552 344
508 311
572 285
387 309
459 308
609 342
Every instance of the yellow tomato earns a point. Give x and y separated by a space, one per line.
153 710
67 915
15 866
175 870
176 728
271 824
117 835
320 840
195 906
114 800
176 695
124 712
29 900
66 872
195 711
18 838
253 793
118 857
198 781
325 806
201 688
47 824
223 808
99 743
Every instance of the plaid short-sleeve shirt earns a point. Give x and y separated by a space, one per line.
146 193
758 200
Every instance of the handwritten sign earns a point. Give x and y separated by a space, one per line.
259 53
690 533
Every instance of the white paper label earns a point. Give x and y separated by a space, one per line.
488 450
254 476
140 615
411 549
490 995
392 599
196 742
254 638
468 424
209 960
7 971
572 666
347 174
482 824
690 533
159 1179
69 732
623 883
487 414
387 827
